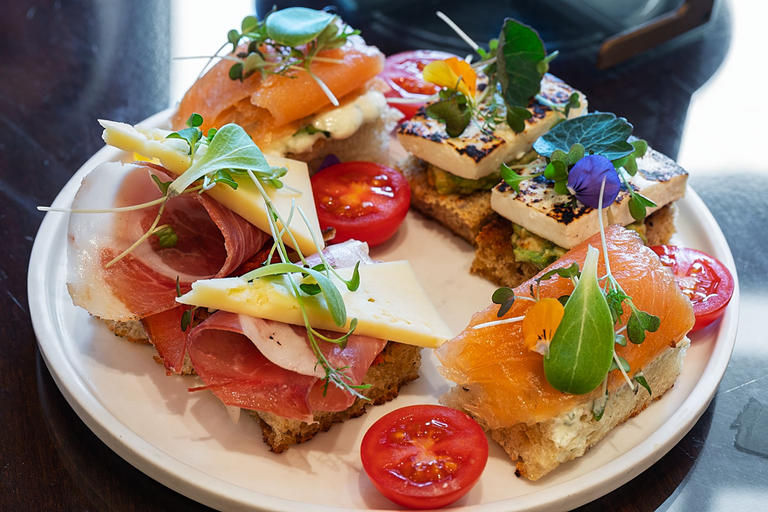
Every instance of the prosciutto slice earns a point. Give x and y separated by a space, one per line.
212 242
224 353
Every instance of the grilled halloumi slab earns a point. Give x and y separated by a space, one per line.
540 210
476 153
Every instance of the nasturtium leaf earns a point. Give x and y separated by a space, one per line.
582 348
231 149
518 55
505 297
640 379
295 26
600 134
451 111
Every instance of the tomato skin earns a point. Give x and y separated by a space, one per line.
424 456
703 279
364 201
402 72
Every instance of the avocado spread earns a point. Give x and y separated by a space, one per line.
533 249
447 183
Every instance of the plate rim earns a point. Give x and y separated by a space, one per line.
218 493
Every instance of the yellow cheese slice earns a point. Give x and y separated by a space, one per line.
390 303
246 200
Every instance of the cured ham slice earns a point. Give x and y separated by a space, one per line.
224 353
262 106
212 242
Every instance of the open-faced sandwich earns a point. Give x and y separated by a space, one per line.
146 241
302 84
550 380
499 160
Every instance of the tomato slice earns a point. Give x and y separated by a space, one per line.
361 200
402 72
702 278
424 456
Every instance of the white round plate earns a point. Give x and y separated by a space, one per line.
187 441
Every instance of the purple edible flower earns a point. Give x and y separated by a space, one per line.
586 178
329 161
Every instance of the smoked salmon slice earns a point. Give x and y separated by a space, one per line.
505 381
263 106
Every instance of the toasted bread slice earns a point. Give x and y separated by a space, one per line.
464 215
539 448
400 365
495 261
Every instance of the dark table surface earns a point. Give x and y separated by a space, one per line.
65 64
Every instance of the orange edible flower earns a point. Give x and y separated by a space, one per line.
446 73
540 324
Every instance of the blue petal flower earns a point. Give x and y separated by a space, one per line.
586 178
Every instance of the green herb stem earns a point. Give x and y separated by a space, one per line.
145 236
621 369
448 21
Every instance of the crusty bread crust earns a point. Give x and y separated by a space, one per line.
464 215
539 448
400 365
495 261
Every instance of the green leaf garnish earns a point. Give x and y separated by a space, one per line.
582 347
220 176
519 55
637 205
166 237
162 185
191 135
453 111
620 340
513 179
624 364
599 134
296 26
640 379
615 300
640 322
231 148
505 297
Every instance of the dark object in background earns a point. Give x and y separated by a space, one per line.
604 31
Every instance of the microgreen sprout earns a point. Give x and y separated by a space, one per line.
287 42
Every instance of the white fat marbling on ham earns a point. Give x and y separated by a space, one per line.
285 345
212 242
230 365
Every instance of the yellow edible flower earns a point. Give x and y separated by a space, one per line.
540 324
446 73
